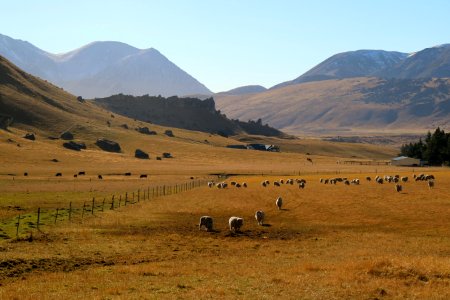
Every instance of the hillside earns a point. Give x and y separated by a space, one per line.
247 89
186 113
348 106
102 69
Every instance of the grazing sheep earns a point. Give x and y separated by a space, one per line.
276 183
58 174
380 180
346 182
301 185
396 180
235 224
259 216
263 184
368 178
237 185
233 183
326 181
206 221
75 175
210 184
431 184
143 176
281 181
429 177
244 184
82 173
398 188
321 180
279 202
100 177
219 185
404 179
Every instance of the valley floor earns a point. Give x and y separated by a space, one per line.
328 242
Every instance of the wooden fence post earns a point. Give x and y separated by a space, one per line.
56 216
126 198
38 218
93 205
103 204
18 225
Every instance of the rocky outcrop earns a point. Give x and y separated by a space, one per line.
141 154
77 146
107 145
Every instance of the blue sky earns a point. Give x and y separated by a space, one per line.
230 43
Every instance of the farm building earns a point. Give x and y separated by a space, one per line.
405 161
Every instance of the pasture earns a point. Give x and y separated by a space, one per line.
328 242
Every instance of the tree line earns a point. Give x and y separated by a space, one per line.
435 149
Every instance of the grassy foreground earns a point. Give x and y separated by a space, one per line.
329 242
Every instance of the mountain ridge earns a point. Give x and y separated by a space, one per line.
149 72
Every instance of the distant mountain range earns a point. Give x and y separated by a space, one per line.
428 63
102 69
364 90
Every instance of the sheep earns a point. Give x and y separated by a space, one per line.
224 185
404 179
58 174
267 182
276 183
143 176
244 184
380 180
237 185
291 181
398 188
301 185
206 221
82 173
233 183
430 184
429 177
346 182
259 216
301 180
368 178
100 177
326 181
263 184
210 184
235 224
355 181
396 180
279 202
321 180
281 181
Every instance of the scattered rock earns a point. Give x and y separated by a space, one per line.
141 154
145 130
107 145
68 136
74 145
30 136
169 133
167 155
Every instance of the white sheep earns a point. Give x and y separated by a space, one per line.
398 188
244 184
276 183
404 179
206 221
279 202
301 185
235 224
259 216
431 184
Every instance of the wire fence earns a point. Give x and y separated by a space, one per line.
25 224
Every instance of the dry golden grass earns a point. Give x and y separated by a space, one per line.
330 242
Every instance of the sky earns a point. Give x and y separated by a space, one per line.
229 43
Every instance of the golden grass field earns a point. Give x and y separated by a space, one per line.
329 242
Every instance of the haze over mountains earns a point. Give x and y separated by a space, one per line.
102 69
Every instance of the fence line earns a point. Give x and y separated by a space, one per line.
46 217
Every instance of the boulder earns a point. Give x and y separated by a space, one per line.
74 145
145 130
107 145
30 136
141 154
68 136
169 133
167 155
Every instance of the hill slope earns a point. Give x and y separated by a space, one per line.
101 69
348 105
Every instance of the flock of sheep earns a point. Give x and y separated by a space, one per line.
235 223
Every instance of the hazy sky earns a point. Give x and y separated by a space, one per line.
230 43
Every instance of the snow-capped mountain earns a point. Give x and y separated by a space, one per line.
101 69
